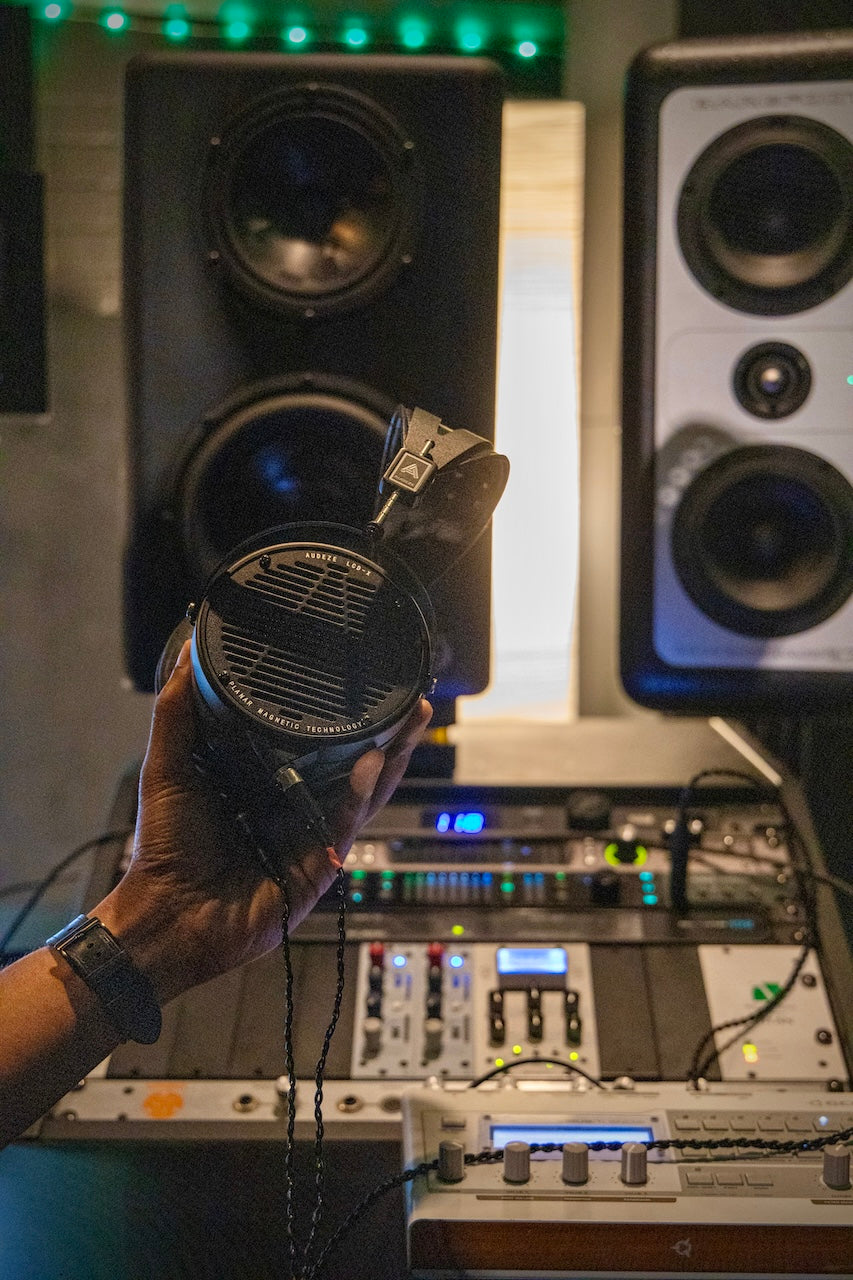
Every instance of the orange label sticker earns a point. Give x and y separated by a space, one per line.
161 1106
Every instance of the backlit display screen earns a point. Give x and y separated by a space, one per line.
532 960
501 1134
458 822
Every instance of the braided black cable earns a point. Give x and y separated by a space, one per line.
290 1069
700 1065
319 1130
42 886
389 1184
495 1156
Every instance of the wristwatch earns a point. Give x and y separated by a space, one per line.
101 961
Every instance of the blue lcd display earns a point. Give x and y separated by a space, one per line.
469 823
501 1134
520 960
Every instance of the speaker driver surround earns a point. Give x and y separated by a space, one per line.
764 215
309 199
763 540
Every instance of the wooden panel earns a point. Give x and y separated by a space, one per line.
635 1247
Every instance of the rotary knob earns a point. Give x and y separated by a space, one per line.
575 1163
517 1162
836 1166
451 1161
634 1164
372 1036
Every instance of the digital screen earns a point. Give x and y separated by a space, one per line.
460 822
521 960
501 1134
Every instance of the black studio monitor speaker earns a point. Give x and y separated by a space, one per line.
737 491
309 242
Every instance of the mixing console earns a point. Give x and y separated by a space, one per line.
634 1182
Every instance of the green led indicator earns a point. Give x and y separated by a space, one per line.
296 35
52 12
359 875
527 49
413 34
114 20
507 886
850 379
470 39
355 37
176 27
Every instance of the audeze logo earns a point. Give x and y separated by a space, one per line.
768 991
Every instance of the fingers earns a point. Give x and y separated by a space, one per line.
397 756
172 737
355 804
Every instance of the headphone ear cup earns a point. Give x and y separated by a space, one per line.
171 650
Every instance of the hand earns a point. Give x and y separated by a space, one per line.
194 902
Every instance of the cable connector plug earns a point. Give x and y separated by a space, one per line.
679 852
306 805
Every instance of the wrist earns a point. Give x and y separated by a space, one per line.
126 995
148 940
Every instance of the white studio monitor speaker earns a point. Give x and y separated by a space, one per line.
737 507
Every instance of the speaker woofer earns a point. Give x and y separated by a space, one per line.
309 198
286 452
765 215
763 540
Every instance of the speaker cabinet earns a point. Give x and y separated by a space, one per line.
737 501
309 241
23 354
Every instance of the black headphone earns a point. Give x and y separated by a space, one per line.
314 642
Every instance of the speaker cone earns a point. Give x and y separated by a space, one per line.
765 215
289 452
309 199
763 540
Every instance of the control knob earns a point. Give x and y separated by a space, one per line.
517 1162
836 1166
575 1163
634 1164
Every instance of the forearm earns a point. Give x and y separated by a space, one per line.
53 1031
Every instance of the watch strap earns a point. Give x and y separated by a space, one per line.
98 957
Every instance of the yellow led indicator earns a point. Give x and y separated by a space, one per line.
516 1048
750 1053
499 1062
458 930
573 1056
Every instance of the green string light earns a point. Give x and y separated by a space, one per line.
114 20
176 27
296 36
413 33
355 37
